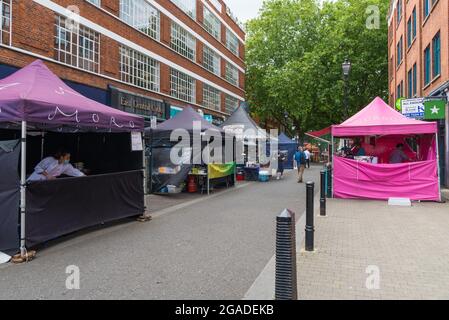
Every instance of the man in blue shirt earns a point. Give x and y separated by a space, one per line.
300 159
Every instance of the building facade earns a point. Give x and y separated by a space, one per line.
418 45
418 48
149 57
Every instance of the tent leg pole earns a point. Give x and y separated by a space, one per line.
145 168
331 154
42 145
438 165
23 251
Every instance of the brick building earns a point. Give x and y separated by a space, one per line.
418 48
150 57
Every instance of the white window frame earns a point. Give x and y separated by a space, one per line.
95 2
183 42
5 33
211 23
231 103
142 16
211 98
76 45
139 69
182 86
232 74
211 60
188 6
232 42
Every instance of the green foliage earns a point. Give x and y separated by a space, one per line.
295 49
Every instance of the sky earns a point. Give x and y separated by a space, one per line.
245 9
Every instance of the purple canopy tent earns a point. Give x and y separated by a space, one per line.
35 98
35 95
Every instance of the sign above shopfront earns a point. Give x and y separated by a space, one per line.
138 104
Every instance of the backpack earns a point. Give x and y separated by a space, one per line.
303 158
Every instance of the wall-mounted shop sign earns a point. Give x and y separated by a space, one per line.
424 108
435 109
138 104
413 108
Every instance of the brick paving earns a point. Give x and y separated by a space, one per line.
409 246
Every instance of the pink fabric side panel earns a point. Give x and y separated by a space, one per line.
358 180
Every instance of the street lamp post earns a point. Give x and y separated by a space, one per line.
346 66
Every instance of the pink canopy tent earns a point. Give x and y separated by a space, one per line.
413 180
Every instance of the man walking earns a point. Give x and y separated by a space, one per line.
308 155
300 159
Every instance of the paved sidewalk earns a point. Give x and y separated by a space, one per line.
409 246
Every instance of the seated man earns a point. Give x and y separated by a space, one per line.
358 149
398 155
52 167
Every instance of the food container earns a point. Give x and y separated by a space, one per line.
264 176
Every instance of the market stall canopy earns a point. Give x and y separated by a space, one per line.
320 133
378 118
36 95
240 122
283 139
185 120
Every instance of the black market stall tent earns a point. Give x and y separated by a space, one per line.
39 113
165 175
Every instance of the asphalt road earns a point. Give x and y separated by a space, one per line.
212 249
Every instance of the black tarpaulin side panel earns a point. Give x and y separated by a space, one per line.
60 207
9 196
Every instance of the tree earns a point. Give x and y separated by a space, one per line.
295 49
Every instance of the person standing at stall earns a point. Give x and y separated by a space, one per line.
300 159
52 167
281 167
398 155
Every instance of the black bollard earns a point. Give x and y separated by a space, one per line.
310 229
323 194
286 287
